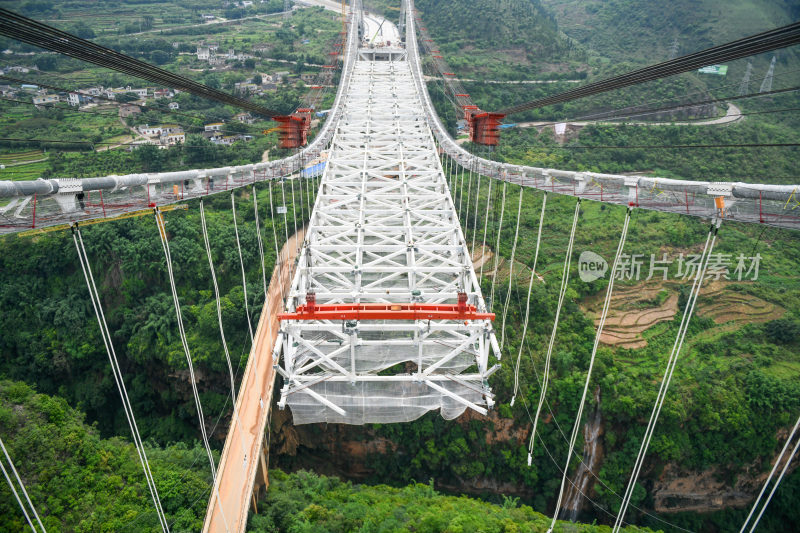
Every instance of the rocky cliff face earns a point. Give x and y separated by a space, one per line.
679 490
348 452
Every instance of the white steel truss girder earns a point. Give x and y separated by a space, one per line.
384 230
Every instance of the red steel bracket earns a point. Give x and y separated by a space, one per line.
459 311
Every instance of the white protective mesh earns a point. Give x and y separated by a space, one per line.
379 402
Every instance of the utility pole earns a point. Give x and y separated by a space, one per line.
744 87
766 85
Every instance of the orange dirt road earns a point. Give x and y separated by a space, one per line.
242 460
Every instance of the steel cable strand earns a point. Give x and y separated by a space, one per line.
241 264
475 221
116 371
16 495
260 243
469 197
558 467
777 481
22 487
285 211
497 246
668 371
461 189
485 228
162 231
528 301
603 314
182 333
562 292
275 241
560 431
294 216
511 270
219 320
769 478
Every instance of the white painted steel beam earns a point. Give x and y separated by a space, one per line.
384 230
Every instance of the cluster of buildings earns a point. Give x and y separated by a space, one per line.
216 133
211 53
162 135
166 135
44 97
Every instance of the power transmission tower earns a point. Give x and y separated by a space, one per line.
744 87
673 51
766 85
287 6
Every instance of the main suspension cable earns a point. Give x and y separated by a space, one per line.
38 34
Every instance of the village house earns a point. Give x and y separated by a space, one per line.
173 138
214 126
45 99
174 105
244 118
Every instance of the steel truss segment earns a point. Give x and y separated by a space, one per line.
397 325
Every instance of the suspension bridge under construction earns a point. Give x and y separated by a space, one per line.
374 312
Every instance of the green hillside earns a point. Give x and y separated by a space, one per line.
614 29
305 502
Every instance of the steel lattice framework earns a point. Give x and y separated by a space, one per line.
384 231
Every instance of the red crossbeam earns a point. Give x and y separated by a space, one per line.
386 312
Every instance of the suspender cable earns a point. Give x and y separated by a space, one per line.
309 203
260 243
598 333
274 234
22 487
777 482
528 301
668 371
485 228
561 293
219 318
299 180
294 215
511 269
469 197
497 246
162 232
241 263
475 221
285 210
116 371
460 192
577 455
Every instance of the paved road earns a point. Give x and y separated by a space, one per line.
732 115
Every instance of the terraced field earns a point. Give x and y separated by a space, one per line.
637 308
